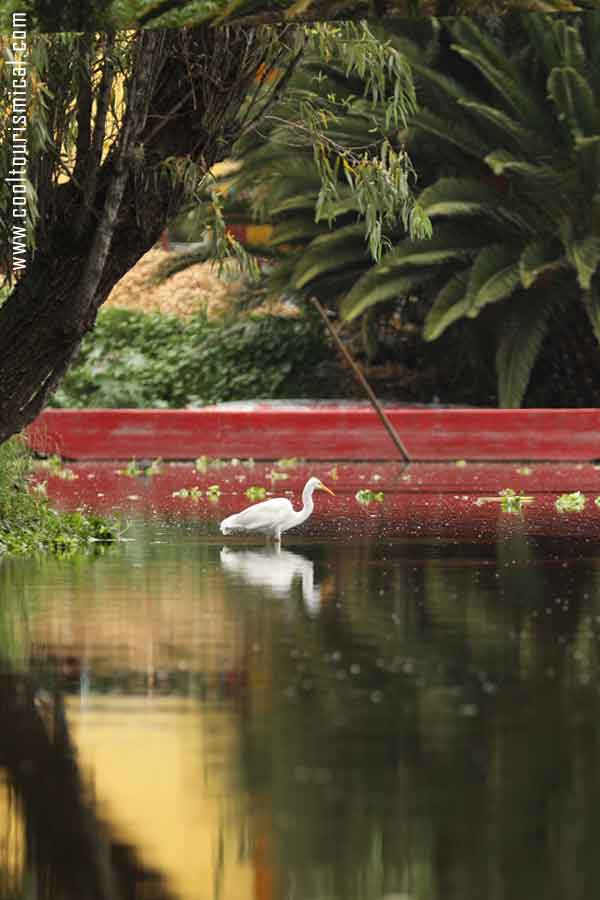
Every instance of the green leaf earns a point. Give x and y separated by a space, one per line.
574 100
521 336
458 197
502 161
449 132
494 275
538 257
376 286
448 243
591 302
296 202
584 256
328 253
497 67
450 304
508 130
297 229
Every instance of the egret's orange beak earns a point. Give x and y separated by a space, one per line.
324 487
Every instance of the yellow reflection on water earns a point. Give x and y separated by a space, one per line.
12 842
161 770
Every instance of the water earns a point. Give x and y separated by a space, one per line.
402 703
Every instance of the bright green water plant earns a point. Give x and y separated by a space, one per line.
573 502
510 501
367 496
193 493
255 493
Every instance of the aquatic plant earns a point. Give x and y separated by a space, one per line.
154 468
573 502
366 496
509 500
256 493
132 469
193 493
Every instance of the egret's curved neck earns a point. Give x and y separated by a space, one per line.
307 503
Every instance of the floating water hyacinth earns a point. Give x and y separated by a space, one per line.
277 476
255 493
203 463
132 469
367 496
193 493
66 474
510 500
574 502
154 468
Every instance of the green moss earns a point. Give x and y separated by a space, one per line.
28 524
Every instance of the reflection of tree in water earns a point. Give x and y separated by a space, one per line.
435 729
71 855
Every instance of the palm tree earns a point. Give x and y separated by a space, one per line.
516 201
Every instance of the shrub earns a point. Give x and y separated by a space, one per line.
136 359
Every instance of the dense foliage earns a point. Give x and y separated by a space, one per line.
506 143
515 142
136 359
27 523
57 15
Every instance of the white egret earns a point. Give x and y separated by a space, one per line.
272 517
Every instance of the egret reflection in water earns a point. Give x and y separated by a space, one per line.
276 570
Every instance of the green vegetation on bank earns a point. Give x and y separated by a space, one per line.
28 524
135 359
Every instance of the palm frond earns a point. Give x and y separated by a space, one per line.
506 128
486 55
376 286
299 229
329 252
494 275
574 101
584 256
450 304
591 302
539 257
459 197
449 132
522 332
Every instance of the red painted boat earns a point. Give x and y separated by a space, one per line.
320 431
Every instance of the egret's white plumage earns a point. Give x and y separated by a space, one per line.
272 517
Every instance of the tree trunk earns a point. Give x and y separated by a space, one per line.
183 100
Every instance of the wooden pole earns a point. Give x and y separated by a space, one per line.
362 381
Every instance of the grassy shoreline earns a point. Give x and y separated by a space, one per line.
28 524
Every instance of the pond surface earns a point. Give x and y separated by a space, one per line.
404 702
